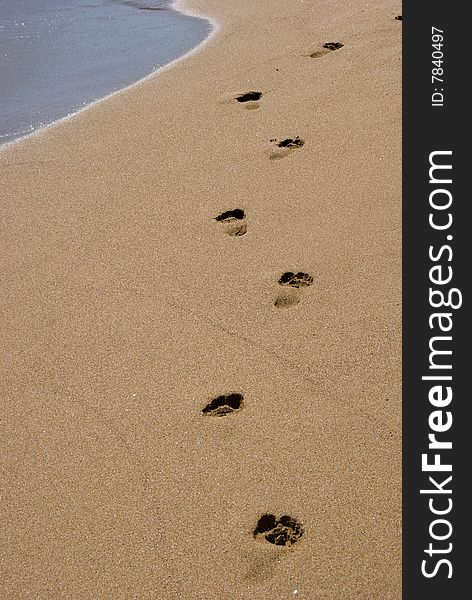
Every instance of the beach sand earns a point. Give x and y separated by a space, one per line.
126 307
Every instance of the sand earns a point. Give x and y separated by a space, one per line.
126 307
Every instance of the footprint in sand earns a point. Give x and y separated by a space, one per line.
292 284
246 100
276 536
249 99
285 531
233 221
326 49
224 405
285 147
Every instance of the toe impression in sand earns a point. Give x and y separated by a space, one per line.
276 536
233 221
326 48
283 531
249 97
292 284
224 405
285 146
250 100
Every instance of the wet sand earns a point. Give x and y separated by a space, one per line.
127 307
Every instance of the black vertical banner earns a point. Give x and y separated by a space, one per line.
437 264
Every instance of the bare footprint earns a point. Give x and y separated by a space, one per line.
292 284
224 405
284 531
249 99
296 280
326 49
285 147
234 222
276 536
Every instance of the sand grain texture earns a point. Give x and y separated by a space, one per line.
125 308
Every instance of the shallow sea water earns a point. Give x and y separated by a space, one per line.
57 56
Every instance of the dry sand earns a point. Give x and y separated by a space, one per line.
126 307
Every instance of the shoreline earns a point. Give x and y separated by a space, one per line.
177 6
173 251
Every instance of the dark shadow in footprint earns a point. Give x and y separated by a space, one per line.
398 18
296 279
249 97
326 49
234 222
237 213
333 45
224 405
280 532
290 143
249 100
286 146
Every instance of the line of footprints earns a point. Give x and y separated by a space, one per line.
284 530
234 222
235 225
